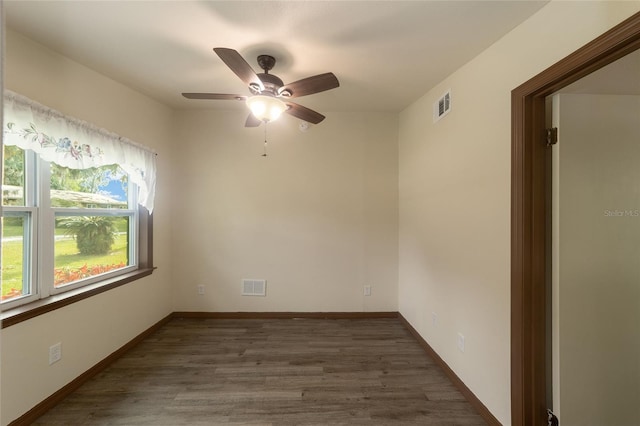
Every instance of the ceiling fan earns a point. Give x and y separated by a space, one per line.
270 95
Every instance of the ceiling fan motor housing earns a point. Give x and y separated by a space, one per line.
271 83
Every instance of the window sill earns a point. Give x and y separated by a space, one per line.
31 310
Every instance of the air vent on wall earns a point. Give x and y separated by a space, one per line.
254 287
442 106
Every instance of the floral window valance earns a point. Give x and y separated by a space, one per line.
76 144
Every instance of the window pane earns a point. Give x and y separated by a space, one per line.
97 187
13 176
86 246
15 256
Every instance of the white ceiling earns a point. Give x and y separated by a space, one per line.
386 54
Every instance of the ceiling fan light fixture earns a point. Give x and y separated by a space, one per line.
266 108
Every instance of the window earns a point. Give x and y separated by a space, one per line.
76 205
63 228
18 227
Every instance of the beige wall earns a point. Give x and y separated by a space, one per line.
317 218
454 177
92 329
596 250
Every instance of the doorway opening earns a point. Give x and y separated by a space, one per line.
529 215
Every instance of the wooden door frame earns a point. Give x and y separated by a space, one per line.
529 207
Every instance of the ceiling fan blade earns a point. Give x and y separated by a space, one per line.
252 121
239 66
304 113
310 85
219 96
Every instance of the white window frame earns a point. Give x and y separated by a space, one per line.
30 253
40 246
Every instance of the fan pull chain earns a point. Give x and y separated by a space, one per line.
265 139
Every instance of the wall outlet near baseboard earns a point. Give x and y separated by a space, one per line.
367 290
200 289
434 319
55 353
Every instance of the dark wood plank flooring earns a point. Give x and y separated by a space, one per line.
270 372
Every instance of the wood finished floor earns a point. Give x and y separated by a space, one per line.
270 372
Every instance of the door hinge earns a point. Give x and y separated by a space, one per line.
552 136
552 420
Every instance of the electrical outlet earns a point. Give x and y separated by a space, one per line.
461 342
55 353
434 319
200 290
367 290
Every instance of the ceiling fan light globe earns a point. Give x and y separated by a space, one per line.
266 108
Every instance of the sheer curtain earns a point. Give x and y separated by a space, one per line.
76 144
